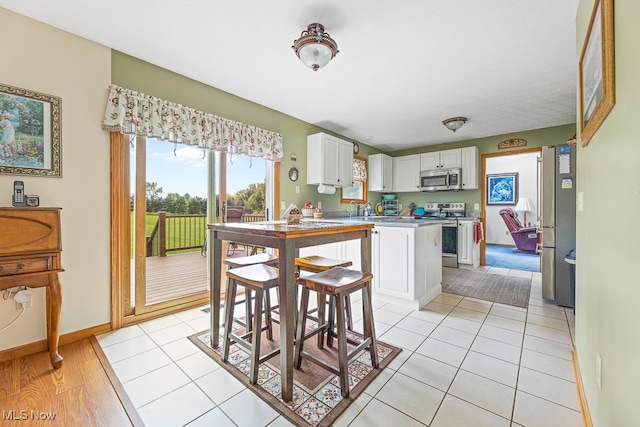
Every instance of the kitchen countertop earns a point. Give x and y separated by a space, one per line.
386 221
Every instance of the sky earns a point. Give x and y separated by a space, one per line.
186 170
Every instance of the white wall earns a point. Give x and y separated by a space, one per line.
526 165
44 59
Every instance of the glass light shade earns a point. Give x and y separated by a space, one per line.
315 48
315 55
454 123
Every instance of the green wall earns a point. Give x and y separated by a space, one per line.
135 74
607 284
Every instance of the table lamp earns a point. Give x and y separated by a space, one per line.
524 205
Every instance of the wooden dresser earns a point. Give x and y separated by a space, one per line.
30 248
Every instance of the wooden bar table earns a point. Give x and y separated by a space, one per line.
287 239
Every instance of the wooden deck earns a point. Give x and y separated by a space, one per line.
178 275
175 276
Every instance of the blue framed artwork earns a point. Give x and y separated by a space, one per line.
502 188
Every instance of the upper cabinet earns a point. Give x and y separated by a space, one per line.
470 168
380 175
441 159
406 173
329 160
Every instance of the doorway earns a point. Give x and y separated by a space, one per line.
169 207
499 248
131 165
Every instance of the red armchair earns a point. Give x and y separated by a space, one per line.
525 238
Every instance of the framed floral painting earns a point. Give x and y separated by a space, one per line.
29 132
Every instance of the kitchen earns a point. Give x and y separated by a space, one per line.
82 293
410 244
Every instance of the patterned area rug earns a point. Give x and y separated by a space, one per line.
491 287
317 400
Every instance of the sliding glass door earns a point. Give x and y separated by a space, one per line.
160 208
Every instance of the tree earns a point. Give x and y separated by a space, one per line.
252 198
154 197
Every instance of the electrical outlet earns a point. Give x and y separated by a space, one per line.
23 296
599 370
19 306
579 201
297 189
476 206
320 205
283 205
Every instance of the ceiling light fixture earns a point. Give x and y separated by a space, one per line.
315 48
454 123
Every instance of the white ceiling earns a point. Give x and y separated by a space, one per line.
403 66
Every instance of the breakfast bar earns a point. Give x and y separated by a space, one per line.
287 239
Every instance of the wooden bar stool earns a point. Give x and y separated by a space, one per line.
259 278
337 283
317 264
263 258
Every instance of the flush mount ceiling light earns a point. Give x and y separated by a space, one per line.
454 123
315 48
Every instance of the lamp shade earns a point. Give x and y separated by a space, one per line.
524 205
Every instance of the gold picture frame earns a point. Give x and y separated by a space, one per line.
29 132
597 71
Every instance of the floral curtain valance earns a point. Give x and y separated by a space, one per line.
359 169
135 113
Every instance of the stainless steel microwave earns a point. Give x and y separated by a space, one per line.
440 179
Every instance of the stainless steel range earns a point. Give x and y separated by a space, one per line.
449 214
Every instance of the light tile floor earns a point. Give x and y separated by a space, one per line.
465 362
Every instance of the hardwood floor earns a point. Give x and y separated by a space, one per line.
32 393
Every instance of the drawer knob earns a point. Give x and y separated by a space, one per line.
19 267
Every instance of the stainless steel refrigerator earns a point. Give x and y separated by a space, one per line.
558 221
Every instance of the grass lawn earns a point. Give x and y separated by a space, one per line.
189 231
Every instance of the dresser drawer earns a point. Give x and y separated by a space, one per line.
11 267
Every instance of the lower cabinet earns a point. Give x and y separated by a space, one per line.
407 264
468 249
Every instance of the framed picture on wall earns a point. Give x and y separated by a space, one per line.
502 188
29 132
597 70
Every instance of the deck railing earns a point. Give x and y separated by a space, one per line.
182 233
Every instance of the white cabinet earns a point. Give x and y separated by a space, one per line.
407 264
329 160
380 174
406 173
468 249
469 168
441 159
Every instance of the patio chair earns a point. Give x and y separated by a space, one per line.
525 238
233 214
